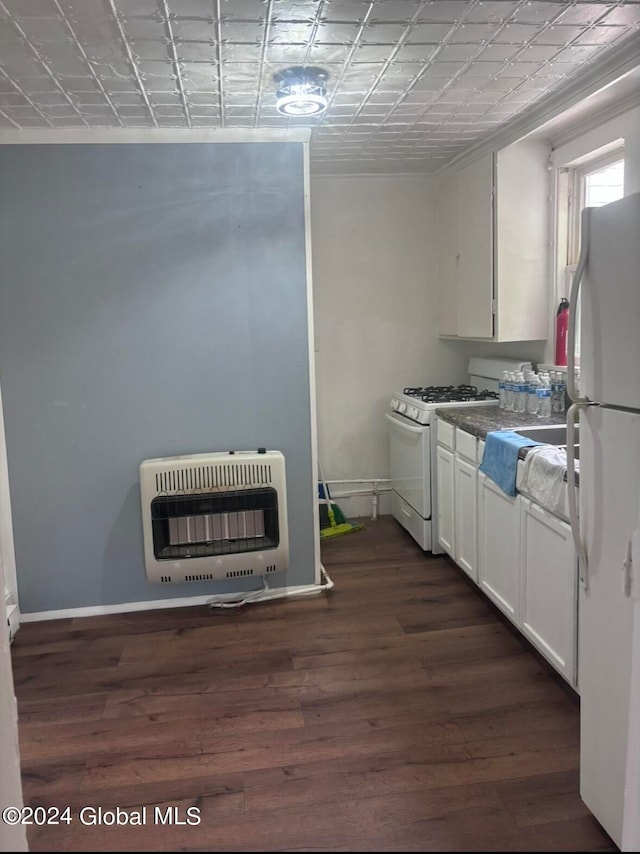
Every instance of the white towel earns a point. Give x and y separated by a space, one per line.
542 476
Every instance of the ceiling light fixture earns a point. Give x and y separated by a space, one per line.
301 91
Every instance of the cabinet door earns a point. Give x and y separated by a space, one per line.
522 191
475 249
499 547
446 508
549 587
448 254
465 516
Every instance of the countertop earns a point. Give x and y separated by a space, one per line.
480 420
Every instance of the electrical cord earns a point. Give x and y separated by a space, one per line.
266 594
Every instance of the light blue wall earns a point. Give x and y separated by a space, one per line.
152 302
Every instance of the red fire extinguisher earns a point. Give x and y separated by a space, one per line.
562 329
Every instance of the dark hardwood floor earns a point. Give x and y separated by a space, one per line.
398 712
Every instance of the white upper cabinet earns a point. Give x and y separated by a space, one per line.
475 249
493 243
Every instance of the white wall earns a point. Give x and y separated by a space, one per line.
12 837
625 126
375 304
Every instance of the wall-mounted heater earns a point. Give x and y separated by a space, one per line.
208 517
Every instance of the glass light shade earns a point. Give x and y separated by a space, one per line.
301 104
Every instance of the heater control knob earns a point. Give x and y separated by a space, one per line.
402 407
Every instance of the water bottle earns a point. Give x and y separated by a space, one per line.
511 383
532 397
527 380
519 398
557 393
544 397
502 386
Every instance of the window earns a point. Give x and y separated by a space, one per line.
596 181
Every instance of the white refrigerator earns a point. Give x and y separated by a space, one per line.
606 515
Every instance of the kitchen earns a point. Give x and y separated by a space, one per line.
376 283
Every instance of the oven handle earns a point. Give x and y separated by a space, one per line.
408 427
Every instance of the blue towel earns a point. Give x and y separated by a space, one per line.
500 458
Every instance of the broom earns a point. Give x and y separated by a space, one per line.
335 522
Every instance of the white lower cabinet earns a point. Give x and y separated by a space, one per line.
465 516
499 547
446 505
522 557
549 587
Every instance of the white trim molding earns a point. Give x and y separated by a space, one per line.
93 136
312 365
156 604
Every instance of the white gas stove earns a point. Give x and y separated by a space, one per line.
412 443
419 404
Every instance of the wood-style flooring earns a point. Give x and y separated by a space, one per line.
397 712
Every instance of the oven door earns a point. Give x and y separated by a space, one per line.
410 453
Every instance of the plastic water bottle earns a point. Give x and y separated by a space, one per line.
532 397
544 397
511 383
520 396
502 386
557 393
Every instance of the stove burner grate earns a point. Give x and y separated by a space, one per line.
449 393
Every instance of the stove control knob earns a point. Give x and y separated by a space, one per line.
412 412
395 404
402 407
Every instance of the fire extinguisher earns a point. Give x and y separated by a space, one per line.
562 329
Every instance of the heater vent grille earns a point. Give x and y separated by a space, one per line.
213 477
215 516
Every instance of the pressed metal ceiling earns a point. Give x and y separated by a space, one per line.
412 83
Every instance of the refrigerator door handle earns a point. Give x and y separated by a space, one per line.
574 518
632 567
627 569
573 301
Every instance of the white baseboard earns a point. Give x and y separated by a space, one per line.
155 604
13 621
360 506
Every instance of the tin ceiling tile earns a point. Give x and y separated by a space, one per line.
628 15
516 33
201 31
406 78
585 13
601 35
416 53
246 10
458 52
76 10
473 33
492 12
537 12
196 52
558 35
499 52
31 8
